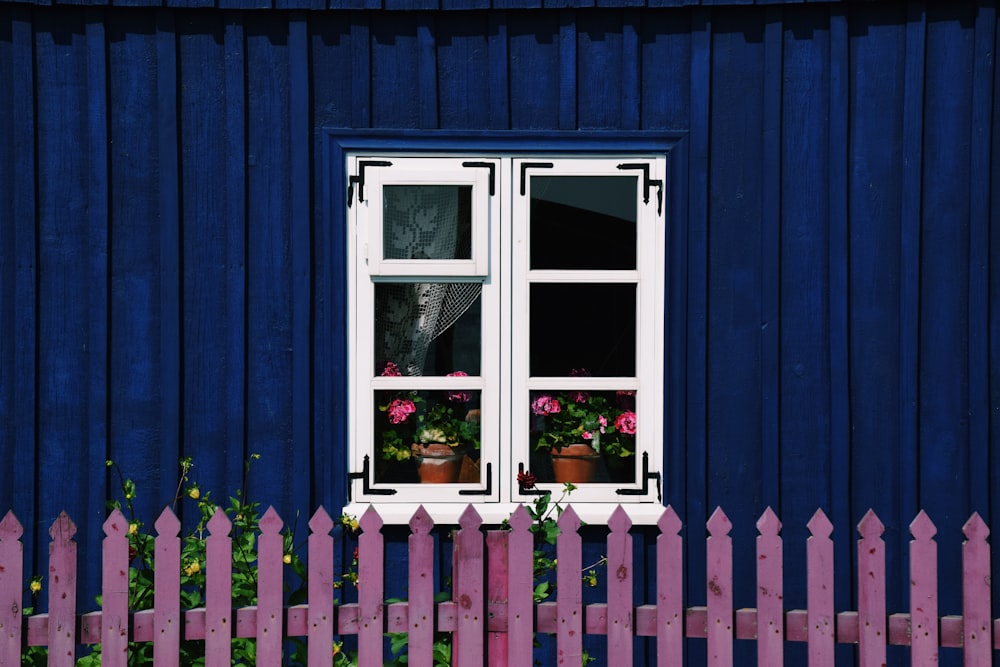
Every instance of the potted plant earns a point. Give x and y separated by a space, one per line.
433 428
578 427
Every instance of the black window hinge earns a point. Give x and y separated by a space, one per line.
487 165
647 183
646 476
365 485
360 179
525 166
481 492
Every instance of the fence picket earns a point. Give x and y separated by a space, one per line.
114 591
498 570
166 590
62 593
219 591
669 590
11 582
923 592
569 590
719 547
469 594
871 592
770 592
371 589
520 588
270 549
819 591
976 593
320 590
619 577
421 590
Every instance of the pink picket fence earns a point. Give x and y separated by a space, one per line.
492 614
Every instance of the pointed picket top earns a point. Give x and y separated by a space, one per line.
520 520
669 523
870 527
10 527
922 528
768 524
819 525
975 528
470 519
719 524
116 525
167 524
219 525
421 522
370 522
321 523
63 529
270 523
569 522
619 521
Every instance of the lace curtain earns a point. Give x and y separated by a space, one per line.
421 222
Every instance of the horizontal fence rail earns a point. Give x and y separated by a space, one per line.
492 614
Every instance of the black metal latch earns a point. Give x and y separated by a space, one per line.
647 183
365 485
360 179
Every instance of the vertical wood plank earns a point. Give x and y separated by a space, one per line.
270 629
427 71
520 602
371 589
534 102
819 566
976 640
11 590
569 591
421 590
619 577
669 590
469 592
498 572
770 592
498 72
630 65
924 635
114 591
166 591
567 70
872 636
599 61
320 589
219 591
62 593
719 584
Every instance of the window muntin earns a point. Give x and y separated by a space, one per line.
575 254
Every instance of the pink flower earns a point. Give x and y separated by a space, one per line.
625 423
579 396
391 370
603 421
545 405
400 410
459 396
587 435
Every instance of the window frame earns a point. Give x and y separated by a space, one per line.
339 144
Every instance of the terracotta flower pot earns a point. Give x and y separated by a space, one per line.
437 463
575 463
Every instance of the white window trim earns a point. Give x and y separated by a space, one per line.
505 374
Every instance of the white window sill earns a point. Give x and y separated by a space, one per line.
493 514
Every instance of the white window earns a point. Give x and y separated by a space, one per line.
507 319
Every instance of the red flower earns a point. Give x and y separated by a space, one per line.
526 480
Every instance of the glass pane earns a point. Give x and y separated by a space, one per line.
583 436
588 327
428 437
583 222
427 222
427 328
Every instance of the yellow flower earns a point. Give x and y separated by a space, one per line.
194 493
354 524
287 559
193 568
337 647
35 586
133 528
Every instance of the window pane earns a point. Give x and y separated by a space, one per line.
582 326
583 436
428 328
427 222
427 437
583 222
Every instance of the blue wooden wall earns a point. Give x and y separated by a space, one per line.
169 285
